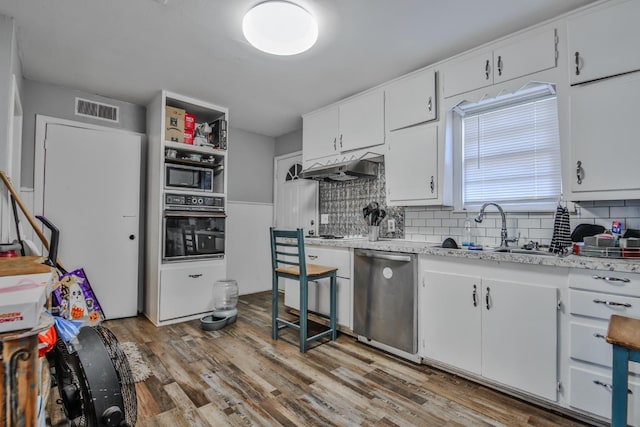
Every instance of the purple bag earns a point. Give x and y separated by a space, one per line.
75 299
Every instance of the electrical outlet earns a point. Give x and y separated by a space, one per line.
391 225
324 219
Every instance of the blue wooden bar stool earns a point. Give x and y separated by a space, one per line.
288 260
624 334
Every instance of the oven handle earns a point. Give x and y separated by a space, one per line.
382 255
169 214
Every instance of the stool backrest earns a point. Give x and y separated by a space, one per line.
287 249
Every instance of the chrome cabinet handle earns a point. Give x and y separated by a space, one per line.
577 63
611 278
195 276
598 335
432 185
313 256
608 386
612 303
500 65
486 70
475 295
579 172
429 105
486 298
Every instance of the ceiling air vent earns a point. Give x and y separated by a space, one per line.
97 110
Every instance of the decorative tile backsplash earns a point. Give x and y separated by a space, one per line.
434 224
343 201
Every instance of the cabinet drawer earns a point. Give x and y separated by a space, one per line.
606 281
334 257
185 291
588 344
590 391
602 306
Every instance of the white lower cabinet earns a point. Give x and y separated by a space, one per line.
318 290
593 297
187 290
591 392
498 327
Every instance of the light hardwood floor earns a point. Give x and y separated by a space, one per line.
239 376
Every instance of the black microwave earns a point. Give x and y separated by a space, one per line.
180 177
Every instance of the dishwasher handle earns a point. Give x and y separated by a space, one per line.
384 255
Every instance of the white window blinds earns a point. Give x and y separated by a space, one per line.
511 155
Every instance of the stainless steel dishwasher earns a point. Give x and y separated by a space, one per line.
385 301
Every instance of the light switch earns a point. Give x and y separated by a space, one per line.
391 225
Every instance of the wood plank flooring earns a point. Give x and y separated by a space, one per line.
239 376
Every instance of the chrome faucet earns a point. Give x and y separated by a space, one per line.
503 230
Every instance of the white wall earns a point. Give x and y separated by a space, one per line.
289 143
250 166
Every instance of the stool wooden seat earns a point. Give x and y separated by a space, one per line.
624 334
288 261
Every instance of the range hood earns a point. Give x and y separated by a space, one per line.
365 169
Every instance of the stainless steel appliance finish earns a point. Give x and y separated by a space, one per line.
344 172
193 235
193 178
193 202
385 299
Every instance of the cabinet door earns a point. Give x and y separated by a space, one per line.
450 320
411 165
605 41
319 298
604 136
467 74
519 336
319 134
188 290
411 100
362 122
528 55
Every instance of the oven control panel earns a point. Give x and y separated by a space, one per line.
193 202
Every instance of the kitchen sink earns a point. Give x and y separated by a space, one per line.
523 251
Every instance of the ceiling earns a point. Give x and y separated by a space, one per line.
129 50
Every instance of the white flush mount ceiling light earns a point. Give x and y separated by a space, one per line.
280 28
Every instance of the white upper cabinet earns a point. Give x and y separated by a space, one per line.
411 100
320 134
516 57
354 124
605 147
362 121
411 166
604 41
473 71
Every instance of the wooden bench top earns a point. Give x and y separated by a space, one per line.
15 266
624 331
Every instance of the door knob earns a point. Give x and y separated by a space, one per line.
132 237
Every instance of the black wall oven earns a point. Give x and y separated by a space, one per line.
193 231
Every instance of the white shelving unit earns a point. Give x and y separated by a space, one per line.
177 291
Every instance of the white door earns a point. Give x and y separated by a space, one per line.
91 193
296 198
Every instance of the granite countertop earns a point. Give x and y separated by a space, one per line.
426 248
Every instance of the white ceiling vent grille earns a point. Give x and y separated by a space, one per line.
97 110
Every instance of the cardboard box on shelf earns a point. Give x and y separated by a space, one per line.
174 119
22 300
174 135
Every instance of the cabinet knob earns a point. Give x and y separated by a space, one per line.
474 295
195 276
432 184
335 147
577 63
340 140
132 237
429 105
500 65
611 278
487 298
486 70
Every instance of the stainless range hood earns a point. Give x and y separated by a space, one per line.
356 169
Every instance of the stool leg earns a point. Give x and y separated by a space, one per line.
274 306
333 308
620 384
304 302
